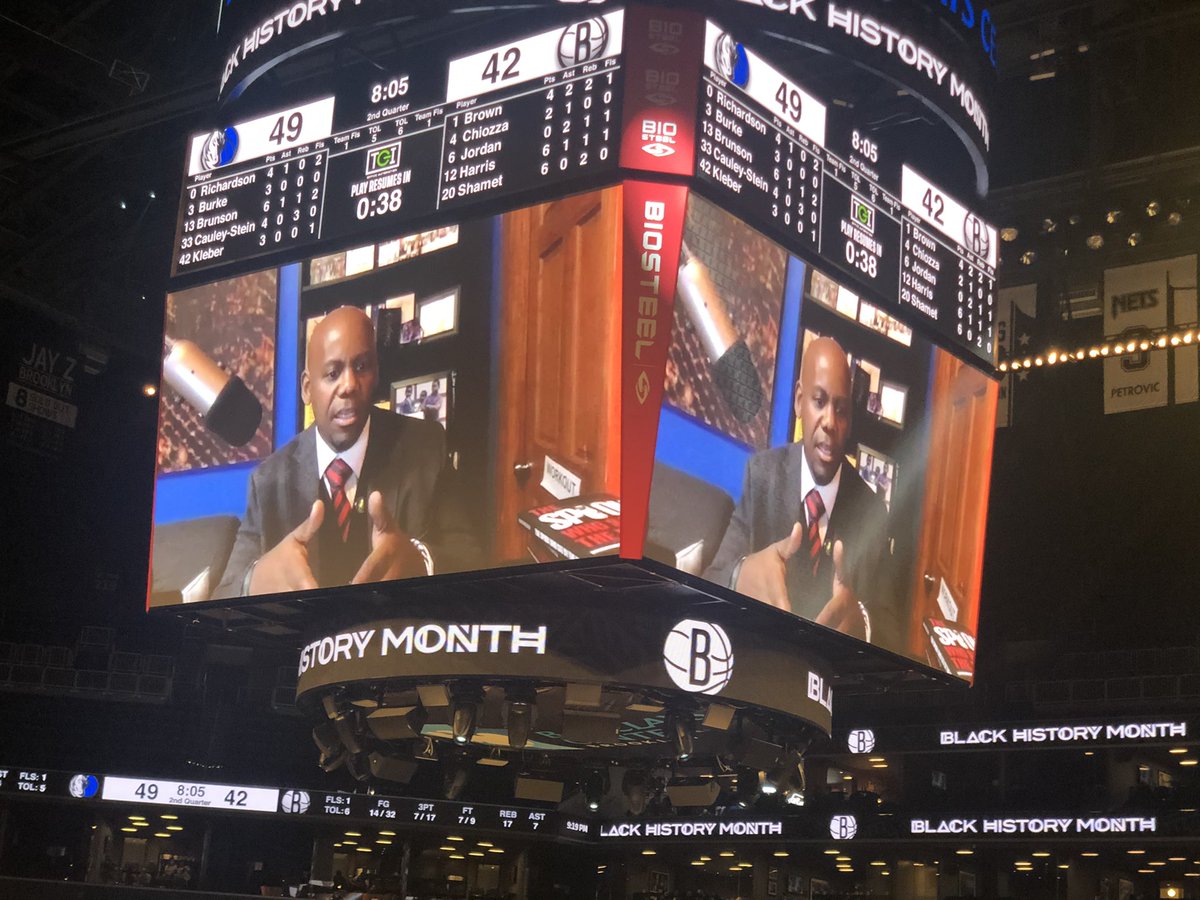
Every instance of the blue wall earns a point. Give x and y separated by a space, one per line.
695 448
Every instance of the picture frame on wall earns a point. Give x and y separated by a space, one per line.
429 396
437 314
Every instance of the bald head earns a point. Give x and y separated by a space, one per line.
823 405
340 376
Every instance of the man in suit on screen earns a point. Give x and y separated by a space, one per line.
808 535
356 497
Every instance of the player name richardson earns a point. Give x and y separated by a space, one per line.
472 163
734 161
213 219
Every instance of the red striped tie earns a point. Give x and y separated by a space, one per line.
815 508
337 473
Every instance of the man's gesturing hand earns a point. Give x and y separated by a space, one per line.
392 552
843 611
285 566
763 575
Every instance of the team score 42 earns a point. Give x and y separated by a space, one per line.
502 66
236 798
934 205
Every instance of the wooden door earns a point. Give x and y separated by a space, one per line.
956 490
560 354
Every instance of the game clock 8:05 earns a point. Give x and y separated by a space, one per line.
189 793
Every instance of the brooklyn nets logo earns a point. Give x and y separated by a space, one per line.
582 42
294 802
860 740
698 656
975 235
843 828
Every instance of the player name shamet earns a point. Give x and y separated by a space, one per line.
468 188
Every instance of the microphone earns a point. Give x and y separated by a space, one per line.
731 364
230 409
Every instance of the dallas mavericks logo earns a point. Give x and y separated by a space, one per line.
698 656
860 740
843 828
582 42
732 61
219 149
294 802
83 786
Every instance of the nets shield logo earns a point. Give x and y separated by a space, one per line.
732 61
582 42
843 827
219 149
860 740
698 656
975 235
294 802
83 786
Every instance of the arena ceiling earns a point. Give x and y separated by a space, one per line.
97 95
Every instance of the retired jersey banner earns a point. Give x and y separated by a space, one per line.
1139 301
1015 314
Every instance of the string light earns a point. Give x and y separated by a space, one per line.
1055 356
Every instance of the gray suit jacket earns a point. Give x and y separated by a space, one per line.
771 504
406 461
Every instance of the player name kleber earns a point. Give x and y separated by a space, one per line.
426 639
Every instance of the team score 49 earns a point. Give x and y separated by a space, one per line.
790 101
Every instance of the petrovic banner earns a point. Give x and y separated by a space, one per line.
1138 301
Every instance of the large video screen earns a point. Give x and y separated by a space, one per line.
434 402
815 454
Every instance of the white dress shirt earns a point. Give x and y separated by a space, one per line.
353 456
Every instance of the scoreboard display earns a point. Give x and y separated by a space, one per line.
446 131
807 173
505 120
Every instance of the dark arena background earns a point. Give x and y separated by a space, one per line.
600 450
